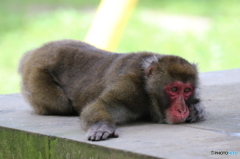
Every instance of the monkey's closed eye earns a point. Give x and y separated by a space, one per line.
174 89
187 90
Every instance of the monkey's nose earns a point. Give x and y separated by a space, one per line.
181 110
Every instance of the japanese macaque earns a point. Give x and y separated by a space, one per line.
71 77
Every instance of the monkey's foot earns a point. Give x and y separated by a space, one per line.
101 131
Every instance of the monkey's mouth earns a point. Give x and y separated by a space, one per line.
171 120
176 121
176 118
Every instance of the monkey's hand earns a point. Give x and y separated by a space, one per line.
101 131
197 113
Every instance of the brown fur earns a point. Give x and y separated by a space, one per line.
71 77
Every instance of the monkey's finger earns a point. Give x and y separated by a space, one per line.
115 134
105 135
98 136
91 137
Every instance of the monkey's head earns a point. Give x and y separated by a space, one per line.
171 82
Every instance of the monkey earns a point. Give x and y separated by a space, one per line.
70 77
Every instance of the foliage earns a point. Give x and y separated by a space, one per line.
202 31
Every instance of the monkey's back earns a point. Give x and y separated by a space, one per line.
73 64
82 71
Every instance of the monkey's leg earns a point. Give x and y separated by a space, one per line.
45 94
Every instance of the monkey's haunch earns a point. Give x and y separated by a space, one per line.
71 77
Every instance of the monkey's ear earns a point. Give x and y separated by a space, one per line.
148 64
149 70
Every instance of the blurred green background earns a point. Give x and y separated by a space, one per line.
206 32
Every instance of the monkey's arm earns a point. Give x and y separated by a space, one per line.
197 113
97 121
100 116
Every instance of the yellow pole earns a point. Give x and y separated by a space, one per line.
109 22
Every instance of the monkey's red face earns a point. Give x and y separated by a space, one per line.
178 93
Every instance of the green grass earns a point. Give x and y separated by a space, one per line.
27 24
